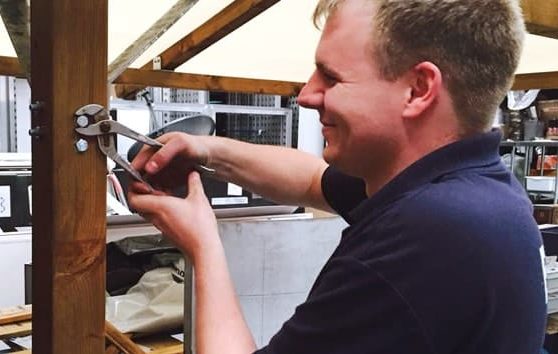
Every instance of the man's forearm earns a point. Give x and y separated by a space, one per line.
220 325
284 175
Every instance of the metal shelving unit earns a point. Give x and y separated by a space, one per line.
271 112
529 147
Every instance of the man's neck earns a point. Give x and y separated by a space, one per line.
409 154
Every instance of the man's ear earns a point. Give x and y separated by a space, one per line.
425 83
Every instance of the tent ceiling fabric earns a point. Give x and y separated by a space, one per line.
278 44
539 55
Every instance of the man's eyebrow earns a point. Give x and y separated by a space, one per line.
329 71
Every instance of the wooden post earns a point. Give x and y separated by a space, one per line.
69 69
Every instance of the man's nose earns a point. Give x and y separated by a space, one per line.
311 96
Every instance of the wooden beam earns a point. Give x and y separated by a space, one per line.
205 82
226 21
9 66
149 37
120 340
541 17
13 315
69 69
15 15
19 329
547 80
175 349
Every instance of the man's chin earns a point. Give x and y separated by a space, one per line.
336 161
328 156
332 158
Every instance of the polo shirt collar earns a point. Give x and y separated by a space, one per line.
475 151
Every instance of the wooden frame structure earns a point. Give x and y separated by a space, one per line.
226 21
541 17
68 61
9 66
69 69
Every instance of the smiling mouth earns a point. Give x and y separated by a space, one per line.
327 130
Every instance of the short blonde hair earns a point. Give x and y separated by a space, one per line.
475 43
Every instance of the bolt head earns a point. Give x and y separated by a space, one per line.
36 106
81 145
35 132
82 121
105 127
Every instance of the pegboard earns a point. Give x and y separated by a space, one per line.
245 99
291 102
8 114
174 95
257 129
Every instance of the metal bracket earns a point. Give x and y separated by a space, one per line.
157 63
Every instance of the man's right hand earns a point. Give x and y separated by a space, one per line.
167 167
284 175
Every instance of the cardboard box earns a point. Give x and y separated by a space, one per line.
547 110
546 213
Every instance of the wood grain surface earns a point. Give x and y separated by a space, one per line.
541 17
69 70
173 79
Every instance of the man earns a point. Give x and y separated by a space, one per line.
442 254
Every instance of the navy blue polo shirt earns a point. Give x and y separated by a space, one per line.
444 259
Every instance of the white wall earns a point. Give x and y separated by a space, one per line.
15 251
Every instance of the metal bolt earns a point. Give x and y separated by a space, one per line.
81 145
36 106
82 121
105 127
35 132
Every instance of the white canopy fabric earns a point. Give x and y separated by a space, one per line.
279 44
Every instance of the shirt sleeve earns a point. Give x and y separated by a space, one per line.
342 192
361 315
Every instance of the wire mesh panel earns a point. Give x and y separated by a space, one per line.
12 113
292 103
187 97
258 129
4 115
246 99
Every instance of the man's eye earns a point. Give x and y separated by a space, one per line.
330 79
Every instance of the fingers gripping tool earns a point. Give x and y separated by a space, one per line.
106 130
